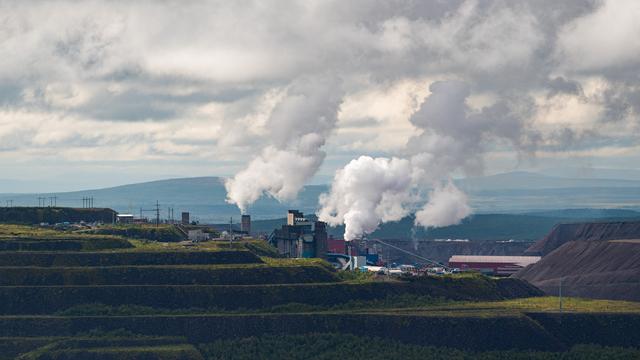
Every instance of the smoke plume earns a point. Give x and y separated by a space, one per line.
447 206
452 137
366 192
298 128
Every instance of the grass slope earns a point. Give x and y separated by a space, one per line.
119 303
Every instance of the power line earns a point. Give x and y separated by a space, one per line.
156 209
87 202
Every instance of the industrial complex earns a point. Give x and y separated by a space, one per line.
298 237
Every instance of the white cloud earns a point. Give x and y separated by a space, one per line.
157 81
606 38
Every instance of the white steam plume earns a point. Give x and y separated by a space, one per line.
298 128
452 138
366 192
447 206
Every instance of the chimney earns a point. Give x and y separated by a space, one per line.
245 224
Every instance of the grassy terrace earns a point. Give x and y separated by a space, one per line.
109 295
514 306
393 305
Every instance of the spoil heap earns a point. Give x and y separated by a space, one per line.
592 260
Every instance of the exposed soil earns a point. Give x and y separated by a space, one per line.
601 269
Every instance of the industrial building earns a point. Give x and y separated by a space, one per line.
300 237
492 265
124 219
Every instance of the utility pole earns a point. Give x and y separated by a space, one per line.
157 213
560 295
349 252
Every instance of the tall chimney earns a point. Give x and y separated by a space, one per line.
245 224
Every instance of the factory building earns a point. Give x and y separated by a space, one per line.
300 237
124 218
492 265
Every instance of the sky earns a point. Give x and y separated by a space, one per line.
99 93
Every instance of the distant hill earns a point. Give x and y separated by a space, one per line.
528 180
586 213
204 197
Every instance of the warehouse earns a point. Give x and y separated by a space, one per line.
492 265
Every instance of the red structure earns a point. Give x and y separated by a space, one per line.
339 246
492 265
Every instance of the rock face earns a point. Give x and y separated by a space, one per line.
594 260
594 231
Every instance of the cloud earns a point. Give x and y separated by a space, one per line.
604 39
166 80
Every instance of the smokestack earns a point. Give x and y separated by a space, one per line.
321 239
245 224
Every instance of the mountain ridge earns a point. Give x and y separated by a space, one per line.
204 197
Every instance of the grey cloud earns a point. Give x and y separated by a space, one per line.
560 85
168 59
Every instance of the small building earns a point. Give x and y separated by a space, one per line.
185 218
300 237
124 219
198 235
492 265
